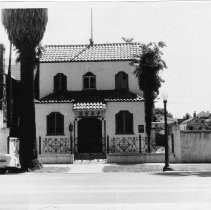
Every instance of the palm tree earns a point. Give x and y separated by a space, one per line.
148 64
25 28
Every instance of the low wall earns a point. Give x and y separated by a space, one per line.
56 158
4 133
195 146
136 158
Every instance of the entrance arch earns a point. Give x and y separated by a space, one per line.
90 135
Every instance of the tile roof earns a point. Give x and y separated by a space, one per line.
80 106
94 96
96 52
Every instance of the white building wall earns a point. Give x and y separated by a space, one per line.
136 108
104 71
42 110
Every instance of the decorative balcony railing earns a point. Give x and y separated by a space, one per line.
58 145
131 145
124 144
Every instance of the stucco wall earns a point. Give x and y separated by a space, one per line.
136 108
195 146
104 71
42 110
192 146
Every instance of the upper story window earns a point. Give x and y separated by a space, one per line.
60 82
55 124
124 122
121 80
89 81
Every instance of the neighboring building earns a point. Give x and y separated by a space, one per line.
90 93
196 123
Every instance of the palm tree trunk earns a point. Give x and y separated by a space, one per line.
28 144
149 103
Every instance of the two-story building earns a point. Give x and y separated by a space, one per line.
89 93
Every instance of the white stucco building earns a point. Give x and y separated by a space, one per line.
89 93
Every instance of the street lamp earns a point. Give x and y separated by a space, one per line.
166 167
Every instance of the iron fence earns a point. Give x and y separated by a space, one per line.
55 145
131 144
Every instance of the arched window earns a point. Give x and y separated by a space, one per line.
60 82
121 80
55 124
124 122
89 81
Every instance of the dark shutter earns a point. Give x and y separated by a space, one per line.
55 124
59 123
128 122
119 123
121 81
51 123
124 122
92 82
60 82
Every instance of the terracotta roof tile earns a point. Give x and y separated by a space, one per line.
97 52
91 96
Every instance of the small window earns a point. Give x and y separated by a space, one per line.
124 122
60 82
89 81
121 80
55 124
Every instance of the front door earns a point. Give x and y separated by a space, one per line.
90 135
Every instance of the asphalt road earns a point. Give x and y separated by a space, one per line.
105 191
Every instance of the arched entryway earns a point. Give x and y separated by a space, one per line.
90 135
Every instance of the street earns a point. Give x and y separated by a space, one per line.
106 191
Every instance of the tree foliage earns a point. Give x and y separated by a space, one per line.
158 114
148 65
25 28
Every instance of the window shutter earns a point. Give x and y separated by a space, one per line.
51 123
59 123
121 81
128 122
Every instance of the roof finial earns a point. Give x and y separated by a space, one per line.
91 39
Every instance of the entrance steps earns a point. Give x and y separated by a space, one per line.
90 156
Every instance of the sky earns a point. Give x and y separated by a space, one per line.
184 26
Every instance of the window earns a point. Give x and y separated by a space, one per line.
60 82
121 80
55 124
124 122
89 81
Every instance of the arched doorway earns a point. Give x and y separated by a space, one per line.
90 135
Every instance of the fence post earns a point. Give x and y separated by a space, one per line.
71 144
8 145
140 144
107 144
172 143
39 145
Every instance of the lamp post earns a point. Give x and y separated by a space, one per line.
166 167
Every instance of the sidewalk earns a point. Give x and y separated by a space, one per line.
106 168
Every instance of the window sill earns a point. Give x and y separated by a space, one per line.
60 134
125 133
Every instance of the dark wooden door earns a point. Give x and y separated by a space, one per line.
90 135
